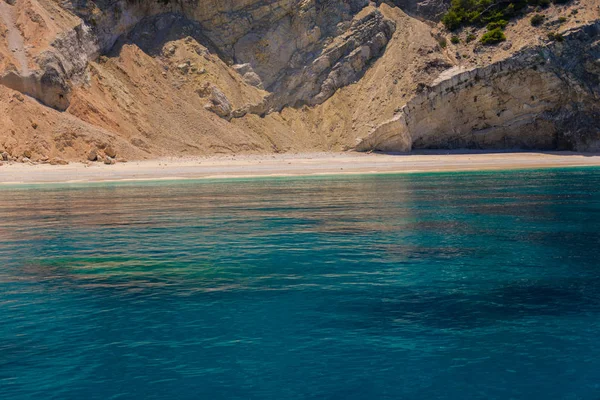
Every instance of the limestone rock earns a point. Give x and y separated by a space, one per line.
248 74
540 98
219 103
390 136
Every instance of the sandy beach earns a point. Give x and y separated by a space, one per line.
246 166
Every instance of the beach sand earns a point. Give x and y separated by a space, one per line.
246 166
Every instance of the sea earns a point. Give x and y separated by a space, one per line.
470 285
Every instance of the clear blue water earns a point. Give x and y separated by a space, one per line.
434 286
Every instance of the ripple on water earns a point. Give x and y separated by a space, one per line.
467 285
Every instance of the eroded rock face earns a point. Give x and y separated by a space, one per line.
540 98
58 68
336 65
269 73
47 86
301 51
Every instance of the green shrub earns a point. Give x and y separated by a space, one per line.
537 19
443 43
482 12
562 20
493 37
497 24
539 3
453 19
555 36
455 39
470 38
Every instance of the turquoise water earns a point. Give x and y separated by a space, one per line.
434 286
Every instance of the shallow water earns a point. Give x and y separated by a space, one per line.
430 286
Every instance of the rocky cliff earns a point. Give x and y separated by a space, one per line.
148 78
542 97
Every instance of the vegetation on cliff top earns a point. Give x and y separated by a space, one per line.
482 12
493 13
493 36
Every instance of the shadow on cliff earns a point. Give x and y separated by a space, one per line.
152 33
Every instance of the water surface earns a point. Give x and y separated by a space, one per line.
429 286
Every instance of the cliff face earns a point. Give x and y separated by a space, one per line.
183 77
300 51
544 97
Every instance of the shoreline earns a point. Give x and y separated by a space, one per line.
291 165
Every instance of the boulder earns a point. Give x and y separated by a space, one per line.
219 103
110 151
248 74
92 155
58 161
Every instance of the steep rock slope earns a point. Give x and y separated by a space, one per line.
529 93
189 77
207 62
301 51
545 97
